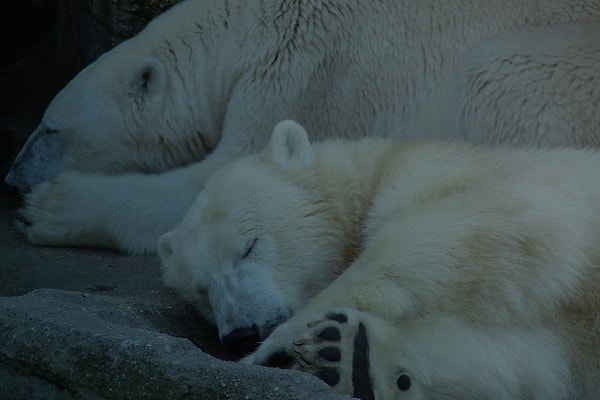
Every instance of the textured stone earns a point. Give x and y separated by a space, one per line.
70 345
98 25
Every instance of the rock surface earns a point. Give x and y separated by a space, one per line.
70 345
98 25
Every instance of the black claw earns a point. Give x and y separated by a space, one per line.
341 318
281 359
328 376
330 334
331 353
403 382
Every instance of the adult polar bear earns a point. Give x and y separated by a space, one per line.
436 271
208 79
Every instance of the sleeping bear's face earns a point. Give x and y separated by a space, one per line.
251 251
118 115
96 122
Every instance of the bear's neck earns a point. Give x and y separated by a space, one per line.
350 174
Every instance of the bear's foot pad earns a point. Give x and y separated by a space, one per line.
336 350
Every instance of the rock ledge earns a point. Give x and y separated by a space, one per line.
70 345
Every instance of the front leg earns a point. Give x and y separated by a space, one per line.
346 349
127 213
432 358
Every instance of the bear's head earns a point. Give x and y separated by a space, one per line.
129 111
257 243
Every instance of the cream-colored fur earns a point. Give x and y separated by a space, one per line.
475 271
204 83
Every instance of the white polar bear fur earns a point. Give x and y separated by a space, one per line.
207 80
476 270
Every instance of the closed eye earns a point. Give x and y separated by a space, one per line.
201 290
249 247
50 131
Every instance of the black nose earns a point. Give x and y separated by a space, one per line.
242 340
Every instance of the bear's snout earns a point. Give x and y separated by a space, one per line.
242 340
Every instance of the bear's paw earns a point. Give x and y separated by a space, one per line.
54 211
338 350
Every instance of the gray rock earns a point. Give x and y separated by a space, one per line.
98 25
70 345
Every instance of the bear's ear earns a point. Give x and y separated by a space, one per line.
165 248
290 145
147 80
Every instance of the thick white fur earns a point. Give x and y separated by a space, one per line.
475 271
208 79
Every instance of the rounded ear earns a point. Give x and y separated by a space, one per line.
147 80
165 248
290 144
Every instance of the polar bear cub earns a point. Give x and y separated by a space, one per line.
402 271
